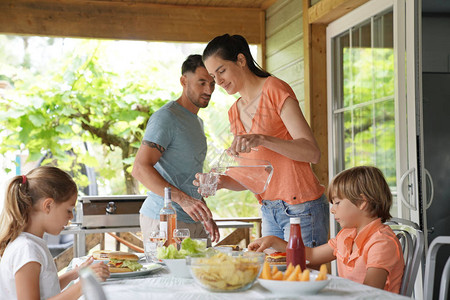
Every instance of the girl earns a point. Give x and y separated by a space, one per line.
267 117
42 201
366 250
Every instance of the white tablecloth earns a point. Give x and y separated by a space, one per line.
162 286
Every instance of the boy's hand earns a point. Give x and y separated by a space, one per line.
265 242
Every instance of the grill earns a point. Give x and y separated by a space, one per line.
110 211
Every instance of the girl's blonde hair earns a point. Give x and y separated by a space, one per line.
361 184
25 191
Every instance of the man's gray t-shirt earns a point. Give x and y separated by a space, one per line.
181 134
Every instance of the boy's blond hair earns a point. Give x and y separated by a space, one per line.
361 184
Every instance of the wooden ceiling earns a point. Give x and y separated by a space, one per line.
155 20
261 4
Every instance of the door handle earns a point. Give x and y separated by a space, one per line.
427 174
400 191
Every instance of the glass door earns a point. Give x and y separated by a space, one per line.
372 88
374 100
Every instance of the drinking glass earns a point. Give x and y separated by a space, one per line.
180 234
208 183
156 240
253 174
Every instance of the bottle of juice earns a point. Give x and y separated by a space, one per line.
295 250
168 217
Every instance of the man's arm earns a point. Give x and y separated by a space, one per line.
144 170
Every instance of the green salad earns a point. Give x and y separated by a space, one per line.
189 247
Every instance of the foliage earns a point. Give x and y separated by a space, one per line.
83 103
82 108
367 117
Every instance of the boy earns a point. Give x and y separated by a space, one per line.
366 250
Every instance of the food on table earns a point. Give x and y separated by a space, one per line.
233 247
101 254
188 247
276 258
291 274
227 271
120 262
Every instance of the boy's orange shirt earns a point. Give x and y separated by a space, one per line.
292 181
376 247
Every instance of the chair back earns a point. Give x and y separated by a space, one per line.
430 266
413 244
92 289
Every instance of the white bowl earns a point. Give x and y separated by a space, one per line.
290 288
178 267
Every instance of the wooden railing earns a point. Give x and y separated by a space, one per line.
134 242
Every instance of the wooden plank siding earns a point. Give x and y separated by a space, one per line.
284 44
285 58
128 20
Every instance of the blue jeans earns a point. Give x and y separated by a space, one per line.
314 220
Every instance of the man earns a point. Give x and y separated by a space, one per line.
173 151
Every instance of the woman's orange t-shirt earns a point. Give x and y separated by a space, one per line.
292 181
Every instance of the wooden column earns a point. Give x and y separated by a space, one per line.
315 22
314 41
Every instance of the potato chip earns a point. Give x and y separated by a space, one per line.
223 272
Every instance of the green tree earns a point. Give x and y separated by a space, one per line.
82 103
62 100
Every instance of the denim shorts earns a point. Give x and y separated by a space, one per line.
314 219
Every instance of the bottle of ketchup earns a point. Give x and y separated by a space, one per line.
295 250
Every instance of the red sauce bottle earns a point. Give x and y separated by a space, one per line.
295 250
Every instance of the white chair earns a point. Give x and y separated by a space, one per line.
430 266
413 244
92 289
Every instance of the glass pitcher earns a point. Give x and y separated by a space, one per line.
253 174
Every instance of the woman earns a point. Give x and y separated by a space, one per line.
267 117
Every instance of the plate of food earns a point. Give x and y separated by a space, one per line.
293 281
147 268
277 259
124 264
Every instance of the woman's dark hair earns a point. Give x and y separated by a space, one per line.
228 47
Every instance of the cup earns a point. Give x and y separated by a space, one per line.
208 183
180 234
156 240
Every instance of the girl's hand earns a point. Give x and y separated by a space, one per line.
101 270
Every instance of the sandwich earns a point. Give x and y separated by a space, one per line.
276 258
120 262
101 254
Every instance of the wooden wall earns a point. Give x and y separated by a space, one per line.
285 58
284 44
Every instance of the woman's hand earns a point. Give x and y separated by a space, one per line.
265 242
246 143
